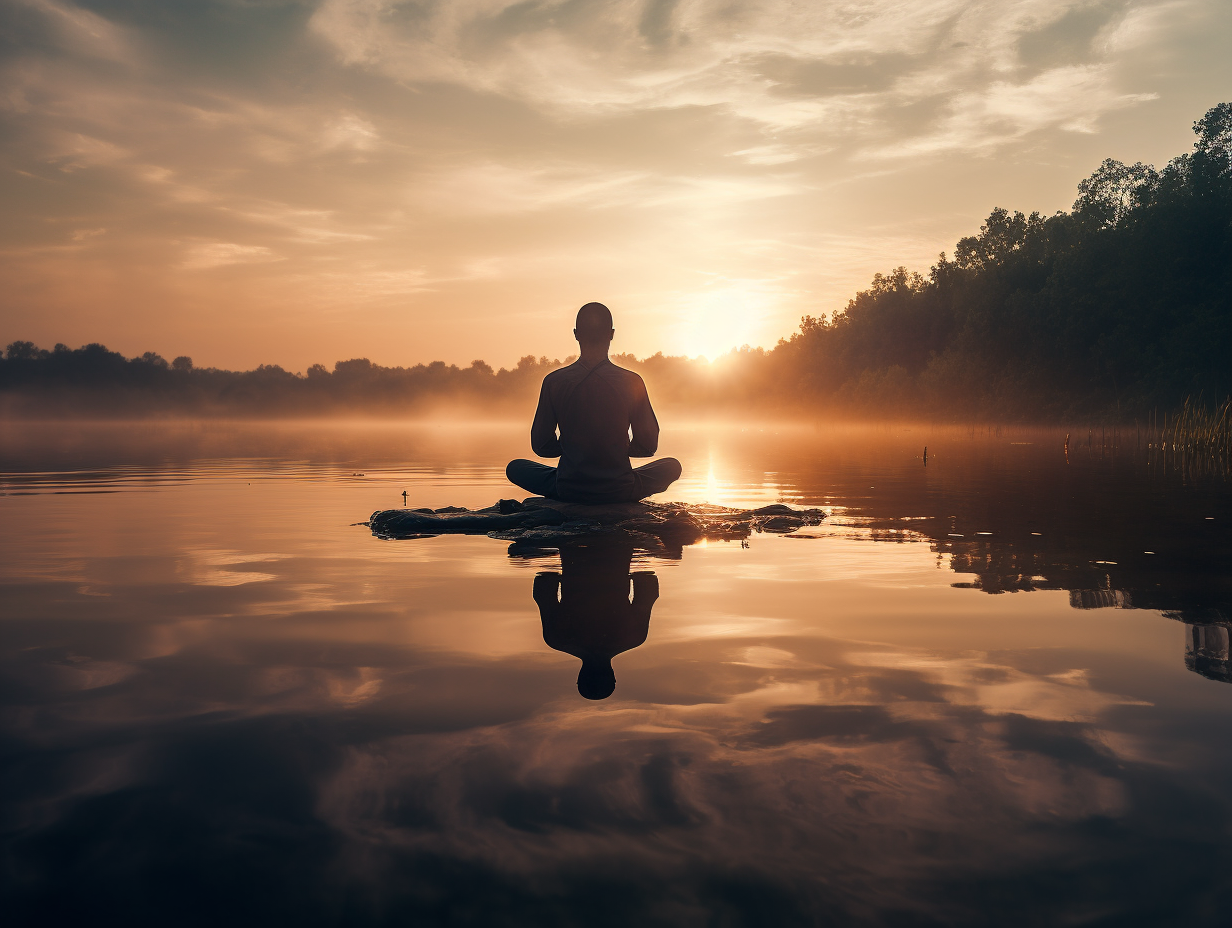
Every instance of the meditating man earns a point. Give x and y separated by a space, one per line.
595 405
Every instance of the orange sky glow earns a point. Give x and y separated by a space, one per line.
302 181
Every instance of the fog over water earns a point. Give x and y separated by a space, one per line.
990 688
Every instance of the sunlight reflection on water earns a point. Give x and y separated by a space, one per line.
214 677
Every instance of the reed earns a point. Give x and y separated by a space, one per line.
1198 439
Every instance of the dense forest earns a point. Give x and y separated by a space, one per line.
1121 305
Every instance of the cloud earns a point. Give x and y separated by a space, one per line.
1071 99
81 31
349 131
761 156
334 287
582 57
759 785
1144 25
767 155
509 188
219 254
82 151
834 68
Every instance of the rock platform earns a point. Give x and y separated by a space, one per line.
540 521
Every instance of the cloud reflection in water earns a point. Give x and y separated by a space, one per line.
255 713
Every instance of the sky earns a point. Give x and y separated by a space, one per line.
301 181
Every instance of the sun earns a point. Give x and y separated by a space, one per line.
721 316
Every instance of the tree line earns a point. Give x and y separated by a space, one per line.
92 381
1121 305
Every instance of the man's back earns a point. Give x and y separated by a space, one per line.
594 405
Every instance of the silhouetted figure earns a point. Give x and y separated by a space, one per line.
593 618
595 404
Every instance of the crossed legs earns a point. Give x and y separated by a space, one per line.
540 479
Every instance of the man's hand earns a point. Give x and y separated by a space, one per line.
637 450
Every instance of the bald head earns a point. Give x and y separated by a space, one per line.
594 323
596 679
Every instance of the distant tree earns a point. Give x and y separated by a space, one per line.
1214 132
1114 191
22 351
1002 234
354 369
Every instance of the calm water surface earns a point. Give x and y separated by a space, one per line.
992 690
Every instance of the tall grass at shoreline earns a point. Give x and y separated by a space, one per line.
1193 441
1203 434
1196 440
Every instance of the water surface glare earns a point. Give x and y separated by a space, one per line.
990 689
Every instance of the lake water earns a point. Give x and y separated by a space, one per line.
992 689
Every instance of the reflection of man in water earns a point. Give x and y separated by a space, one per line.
593 618
595 404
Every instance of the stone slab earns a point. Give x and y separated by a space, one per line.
531 519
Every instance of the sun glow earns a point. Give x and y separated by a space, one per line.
722 315
712 485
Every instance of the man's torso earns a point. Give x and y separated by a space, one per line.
593 406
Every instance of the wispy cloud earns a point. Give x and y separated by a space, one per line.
756 158
832 67
82 31
1071 99
218 254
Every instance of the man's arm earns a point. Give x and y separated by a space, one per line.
645 593
543 440
645 426
545 590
